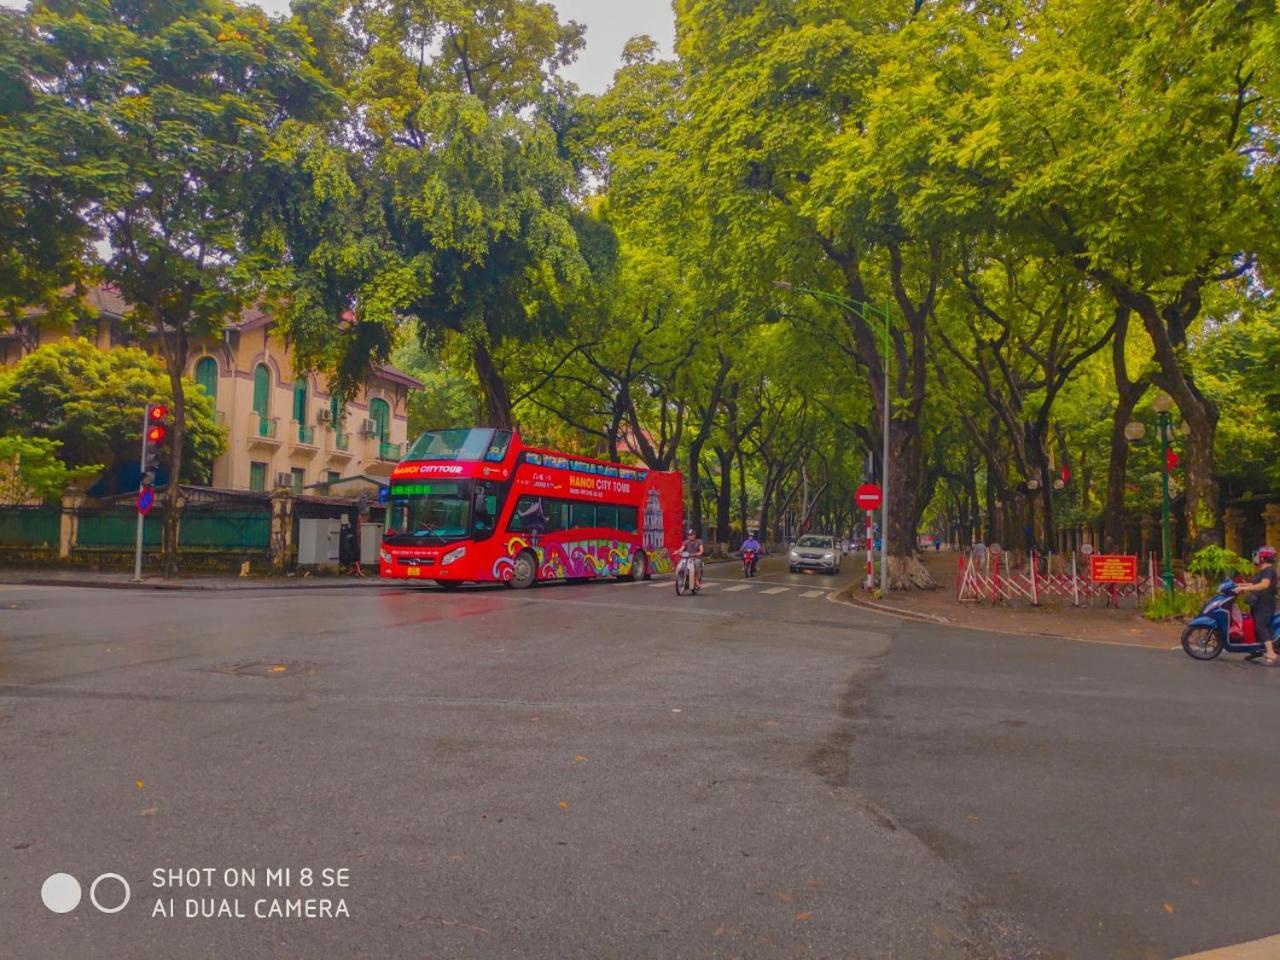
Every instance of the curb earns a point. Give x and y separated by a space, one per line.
845 596
286 584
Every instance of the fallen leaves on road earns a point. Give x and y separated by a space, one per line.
782 896
1168 907
802 917
150 811
564 805
579 759
139 784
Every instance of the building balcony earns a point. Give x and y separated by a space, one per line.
389 451
340 449
262 431
306 433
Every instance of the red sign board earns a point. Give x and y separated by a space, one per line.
1172 460
1104 568
869 497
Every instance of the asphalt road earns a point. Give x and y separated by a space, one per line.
608 770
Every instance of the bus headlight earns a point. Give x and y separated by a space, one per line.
452 555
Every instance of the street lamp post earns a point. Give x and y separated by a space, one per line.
862 310
1133 432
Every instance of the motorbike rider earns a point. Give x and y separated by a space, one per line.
1263 584
753 545
693 548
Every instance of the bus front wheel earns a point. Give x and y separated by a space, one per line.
524 571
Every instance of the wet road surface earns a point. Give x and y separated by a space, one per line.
608 770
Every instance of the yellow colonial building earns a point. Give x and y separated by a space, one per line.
284 429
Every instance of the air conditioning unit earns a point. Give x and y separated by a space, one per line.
324 416
369 428
284 479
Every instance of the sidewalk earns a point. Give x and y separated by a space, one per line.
58 577
1053 619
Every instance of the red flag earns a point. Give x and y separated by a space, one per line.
1171 460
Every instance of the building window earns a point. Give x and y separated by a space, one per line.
380 414
299 478
336 412
262 390
257 476
332 477
207 376
300 400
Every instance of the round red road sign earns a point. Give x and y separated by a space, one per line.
869 497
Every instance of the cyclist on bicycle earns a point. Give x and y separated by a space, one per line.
692 547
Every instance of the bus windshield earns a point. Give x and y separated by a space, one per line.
465 444
435 512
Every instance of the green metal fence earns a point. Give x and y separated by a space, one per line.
30 526
225 530
243 530
117 528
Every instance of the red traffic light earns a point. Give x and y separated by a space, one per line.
156 434
157 412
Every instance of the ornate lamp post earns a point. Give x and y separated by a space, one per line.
865 311
1134 432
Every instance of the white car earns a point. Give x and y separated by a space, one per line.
815 552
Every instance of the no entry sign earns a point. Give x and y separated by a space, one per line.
869 497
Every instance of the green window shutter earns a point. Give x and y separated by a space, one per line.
335 412
261 390
380 414
300 401
257 476
207 376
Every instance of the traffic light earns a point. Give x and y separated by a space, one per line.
154 435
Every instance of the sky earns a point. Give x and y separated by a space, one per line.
609 23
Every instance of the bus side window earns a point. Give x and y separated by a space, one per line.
628 519
582 515
606 516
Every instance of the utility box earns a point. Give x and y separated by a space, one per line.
370 544
318 542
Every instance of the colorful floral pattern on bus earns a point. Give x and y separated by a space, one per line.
559 560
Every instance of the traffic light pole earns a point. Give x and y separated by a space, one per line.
142 469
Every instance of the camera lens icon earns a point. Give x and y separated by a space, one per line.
61 893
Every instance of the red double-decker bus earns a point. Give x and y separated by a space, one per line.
476 504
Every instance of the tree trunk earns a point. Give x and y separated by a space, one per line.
724 495
1128 393
742 494
496 400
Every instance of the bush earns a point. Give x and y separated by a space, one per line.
1164 606
1216 564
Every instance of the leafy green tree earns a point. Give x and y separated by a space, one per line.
49 171
90 403
183 100
465 178
31 471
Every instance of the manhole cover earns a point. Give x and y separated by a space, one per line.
269 668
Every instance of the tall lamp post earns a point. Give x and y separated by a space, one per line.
865 311
1135 431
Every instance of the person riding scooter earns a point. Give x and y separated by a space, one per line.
752 546
1263 600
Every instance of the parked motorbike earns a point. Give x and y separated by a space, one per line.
1215 629
685 583
748 563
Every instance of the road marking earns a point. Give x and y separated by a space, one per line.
1255 950
810 594
741 586
773 590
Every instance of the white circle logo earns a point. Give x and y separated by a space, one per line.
61 893
93 893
